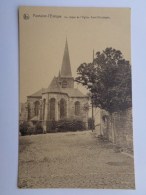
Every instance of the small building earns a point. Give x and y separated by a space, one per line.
61 100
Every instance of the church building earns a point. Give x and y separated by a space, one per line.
61 100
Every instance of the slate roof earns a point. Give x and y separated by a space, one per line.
54 86
72 92
37 93
66 67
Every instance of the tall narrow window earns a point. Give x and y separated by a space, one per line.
77 108
44 106
52 109
63 109
36 108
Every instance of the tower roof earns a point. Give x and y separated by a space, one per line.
54 86
66 67
59 75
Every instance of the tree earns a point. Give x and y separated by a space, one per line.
108 78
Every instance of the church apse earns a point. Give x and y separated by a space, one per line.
61 100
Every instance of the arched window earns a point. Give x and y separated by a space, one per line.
63 109
77 108
52 109
36 108
44 106
64 84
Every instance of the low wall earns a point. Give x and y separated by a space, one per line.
118 128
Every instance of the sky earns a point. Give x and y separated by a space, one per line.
42 40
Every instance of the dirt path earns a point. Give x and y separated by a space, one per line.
72 160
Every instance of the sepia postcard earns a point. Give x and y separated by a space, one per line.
75 98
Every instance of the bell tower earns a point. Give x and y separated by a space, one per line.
65 76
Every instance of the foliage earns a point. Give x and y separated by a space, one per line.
65 125
23 128
108 78
51 126
27 128
38 128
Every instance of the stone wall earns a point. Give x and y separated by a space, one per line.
83 113
31 102
57 98
70 103
118 128
23 115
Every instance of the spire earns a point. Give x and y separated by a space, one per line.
59 75
93 55
66 67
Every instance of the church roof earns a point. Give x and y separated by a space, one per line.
54 86
37 93
73 92
66 67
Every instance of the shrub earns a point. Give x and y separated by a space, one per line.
38 128
31 130
70 125
23 127
65 125
51 126
27 128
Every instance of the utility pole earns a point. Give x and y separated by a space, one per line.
92 103
92 114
